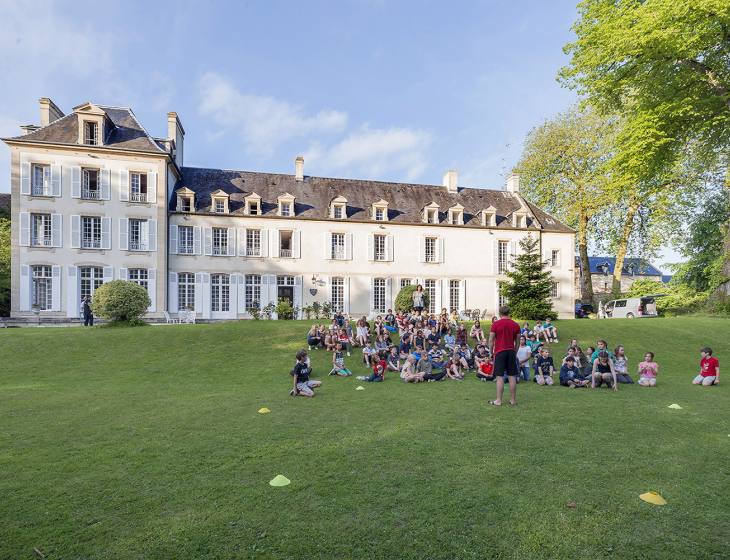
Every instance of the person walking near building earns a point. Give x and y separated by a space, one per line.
504 340
88 315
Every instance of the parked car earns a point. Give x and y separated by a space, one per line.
582 310
631 308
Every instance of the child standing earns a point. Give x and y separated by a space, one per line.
709 369
338 362
302 384
378 371
621 367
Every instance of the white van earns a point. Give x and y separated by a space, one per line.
631 308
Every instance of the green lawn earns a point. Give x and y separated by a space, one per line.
147 443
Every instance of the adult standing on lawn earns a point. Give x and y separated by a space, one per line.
88 315
418 302
504 340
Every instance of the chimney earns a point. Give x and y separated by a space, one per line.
176 133
450 182
513 182
28 128
49 112
300 168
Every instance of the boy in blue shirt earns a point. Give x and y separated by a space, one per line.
436 356
570 375
367 353
302 384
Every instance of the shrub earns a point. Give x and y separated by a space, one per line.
284 310
679 299
254 310
120 301
404 299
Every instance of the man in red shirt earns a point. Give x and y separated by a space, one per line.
504 339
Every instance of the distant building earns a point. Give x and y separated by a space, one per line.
601 270
4 201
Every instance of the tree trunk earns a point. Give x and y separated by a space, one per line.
587 281
624 243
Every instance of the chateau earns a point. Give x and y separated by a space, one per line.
95 198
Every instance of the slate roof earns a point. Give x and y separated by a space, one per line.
313 196
5 200
128 133
641 267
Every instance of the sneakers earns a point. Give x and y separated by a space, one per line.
310 348
556 341
348 353
292 393
361 378
333 372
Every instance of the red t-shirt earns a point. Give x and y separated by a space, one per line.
505 331
708 366
378 369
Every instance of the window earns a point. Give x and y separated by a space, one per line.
42 287
379 214
338 294
285 244
454 295
431 216
430 287
253 208
555 258
503 257
185 240
501 300
338 245
138 235
286 210
91 133
490 219
430 249
91 233
138 187
219 292
379 294
220 206
185 204
253 242
380 252
457 217
139 276
555 292
41 180
185 290
91 278
253 290
404 282
220 242
284 280
41 230
90 189
338 212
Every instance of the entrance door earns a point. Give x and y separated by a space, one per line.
287 294
219 293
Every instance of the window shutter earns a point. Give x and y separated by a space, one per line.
372 294
26 282
388 294
123 234
25 182
422 249
275 252
329 288
231 242
346 295
123 274
389 248
264 242
495 260
232 285
75 232
73 298
106 179
106 233
152 235
557 263
108 274
198 305
242 293
173 306
56 288
440 249
512 254
56 230
152 289
348 246
273 293
208 241
124 185
241 242
496 300
152 188
264 291
296 245
75 182
298 283
327 245
462 296
548 257
55 180
173 240
197 234
25 229
371 247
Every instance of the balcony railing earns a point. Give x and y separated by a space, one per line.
40 190
139 197
253 251
138 246
285 253
91 194
220 251
42 241
91 243
185 250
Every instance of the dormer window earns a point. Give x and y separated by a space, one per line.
253 209
489 217
185 205
456 215
380 211
220 207
519 220
91 133
219 202
432 216
286 205
338 208
286 210
185 200
338 212
252 205
430 213
379 214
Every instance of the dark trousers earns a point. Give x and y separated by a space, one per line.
434 376
624 378
88 320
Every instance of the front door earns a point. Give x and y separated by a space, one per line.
287 294
219 294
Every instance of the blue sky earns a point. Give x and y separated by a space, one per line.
370 89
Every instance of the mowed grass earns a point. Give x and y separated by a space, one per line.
147 443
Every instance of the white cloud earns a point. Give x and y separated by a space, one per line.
263 121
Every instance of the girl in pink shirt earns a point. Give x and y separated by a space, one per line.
648 370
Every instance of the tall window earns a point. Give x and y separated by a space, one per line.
41 230
555 257
430 249
404 282
285 244
253 291
185 240
380 248
338 294
220 241
338 245
91 233
138 187
185 290
430 287
501 300
138 235
454 295
42 287
91 185
253 242
555 292
220 206
91 133
379 294
219 295
91 278
41 180
139 276
503 257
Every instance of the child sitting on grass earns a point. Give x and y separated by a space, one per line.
368 352
378 370
485 371
621 366
338 362
570 375
648 370
709 369
330 340
393 360
302 384
453 368
550 331
450 340
603 371
545 367
408 373
436 356
381 347
344 340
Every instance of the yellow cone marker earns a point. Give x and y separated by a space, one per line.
360 388
264 410
279 480
675 406
653 498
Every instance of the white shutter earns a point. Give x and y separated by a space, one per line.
372 295
152 188
233 288
329 288
173 240
275 243
547 256
241 242
264 291
264 242
124 185
26 282
388 294
123 274
25 229
106 233
389 248
56 288
55 180
152 289
174 307
106 187
56 230
439 293
298 283
75 182
152 235
273 293
123 233
242 293
197 233
346 295
348 246
25 181
371 247
73 298
198 305
108 274
512 251
75 232
558 259
231 242
495 260
296 245
327 245
208 241
462 296
422 249
440 250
